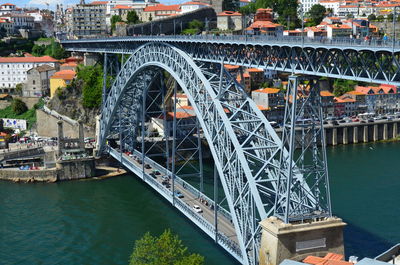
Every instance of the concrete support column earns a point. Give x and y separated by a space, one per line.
281 241
355 135
60 127
365 134
326 138
81 135
375 136
334 136
385 131
345 136
395 130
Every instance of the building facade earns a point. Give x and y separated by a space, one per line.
38 81
14 70
89 20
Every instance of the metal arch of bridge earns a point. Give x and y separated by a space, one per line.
245 148
345 60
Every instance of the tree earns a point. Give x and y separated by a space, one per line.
92 78
18 88
194 27
132 17
114 20
150 18
341 86
18 106
230 5
165 249
389 17
372 17
380 18
317 14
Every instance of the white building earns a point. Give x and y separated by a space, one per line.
192 6
331 4
13 70
307 4
7 8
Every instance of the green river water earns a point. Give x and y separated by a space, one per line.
96 221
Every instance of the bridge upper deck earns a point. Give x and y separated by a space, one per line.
373 61
373 45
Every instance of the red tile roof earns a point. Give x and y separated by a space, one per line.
267 90
7 4
325 93
122 7
229 13
99 3
161 7
64 74
44 59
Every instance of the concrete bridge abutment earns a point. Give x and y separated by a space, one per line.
280 241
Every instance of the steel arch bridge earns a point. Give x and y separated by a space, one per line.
258 170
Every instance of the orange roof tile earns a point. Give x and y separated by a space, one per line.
255 70
356 93
161 7
122 7
231 67
229 13
267 90
325 93
99 3
43 59
64 74
260 107
8 4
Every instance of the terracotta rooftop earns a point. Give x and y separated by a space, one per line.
267 90
161 7
43 59
325 93
64 74
229 13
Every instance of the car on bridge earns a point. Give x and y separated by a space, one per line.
197 209
178 194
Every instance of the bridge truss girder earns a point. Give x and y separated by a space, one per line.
367 64
245 148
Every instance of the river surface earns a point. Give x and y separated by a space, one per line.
97 221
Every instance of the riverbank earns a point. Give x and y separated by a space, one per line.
58 174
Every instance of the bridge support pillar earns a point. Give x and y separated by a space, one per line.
375 135
281 241
385 131
334 136
345 136
355 135
395 130
365 134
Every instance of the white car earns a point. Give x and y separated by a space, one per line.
197 209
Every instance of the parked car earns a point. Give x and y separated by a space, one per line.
197 209
153 175
165 178
178 194
156 172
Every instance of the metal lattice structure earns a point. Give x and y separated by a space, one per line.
374 62
245 148
305 175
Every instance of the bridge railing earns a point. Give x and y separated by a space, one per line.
187 186
221 238
264 39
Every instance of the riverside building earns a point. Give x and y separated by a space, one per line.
13 70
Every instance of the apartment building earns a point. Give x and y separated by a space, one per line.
13 70
89 20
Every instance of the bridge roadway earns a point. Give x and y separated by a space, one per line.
226 231
375 61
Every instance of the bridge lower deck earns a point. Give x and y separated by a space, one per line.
224 235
